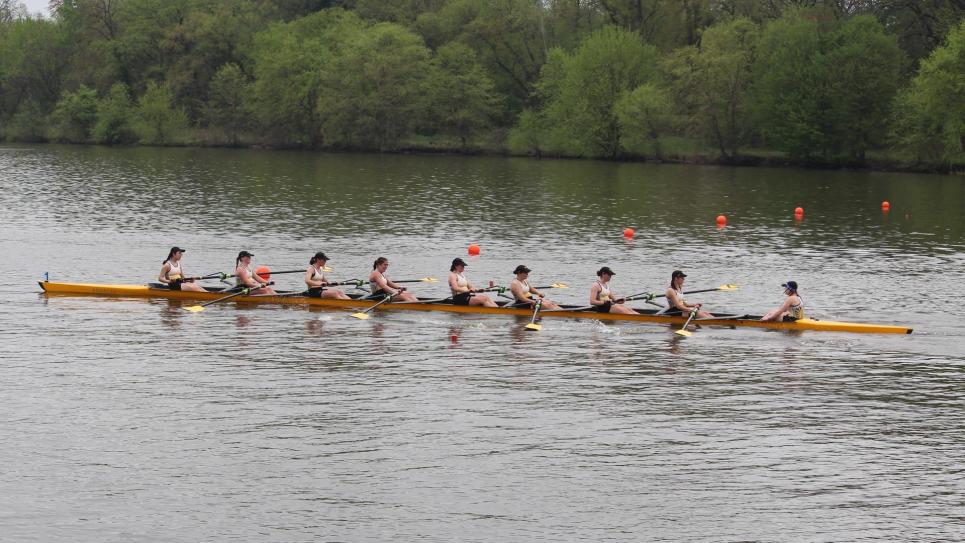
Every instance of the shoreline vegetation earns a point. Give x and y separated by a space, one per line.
875 84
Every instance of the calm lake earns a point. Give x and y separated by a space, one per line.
135 420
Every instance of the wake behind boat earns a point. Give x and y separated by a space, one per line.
423 304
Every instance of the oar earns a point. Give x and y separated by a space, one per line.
242 292
554 285
683 331
649 296
532 323
420 280
362 315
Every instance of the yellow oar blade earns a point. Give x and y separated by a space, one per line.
728 287
560 285
534 327
429 280
360 316
327 269
685 333
194 308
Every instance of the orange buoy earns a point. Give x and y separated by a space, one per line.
628 232
885 206
799 210
473 249
264 272
721 220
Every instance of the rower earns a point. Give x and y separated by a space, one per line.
676 305
524 293
245 278
463 292
793 307
603 299
382 286
172 276
316 281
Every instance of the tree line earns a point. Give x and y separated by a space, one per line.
825 81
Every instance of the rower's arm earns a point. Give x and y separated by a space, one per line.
162 277
595 295
519 294
310 278
454 284
387 285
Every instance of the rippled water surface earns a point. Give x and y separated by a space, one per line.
135 420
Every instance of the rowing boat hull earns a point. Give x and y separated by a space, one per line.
141 291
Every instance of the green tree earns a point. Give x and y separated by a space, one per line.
607 64
157 120
463 96
864 66
711 84
645 116
375 89
114 114
789 76
291 62
823 86
931 111
226 104
75 115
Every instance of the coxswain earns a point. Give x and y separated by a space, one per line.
793 307
525 294
173 276
316 281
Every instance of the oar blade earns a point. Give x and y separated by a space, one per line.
560 285
429 280
195 308
360 316
684 333
728 287
327 269
534 327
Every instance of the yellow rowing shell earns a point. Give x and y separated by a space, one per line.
646 315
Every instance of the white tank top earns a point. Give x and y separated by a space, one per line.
680 296
373 286
461 281
604 294
525 284
317 274
174 271
238 282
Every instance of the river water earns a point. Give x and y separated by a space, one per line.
135 420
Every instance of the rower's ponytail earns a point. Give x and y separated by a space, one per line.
378 261
170 254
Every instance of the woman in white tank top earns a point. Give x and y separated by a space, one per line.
675 298
524 293
603 299
316 281
463 292
173 276
245 278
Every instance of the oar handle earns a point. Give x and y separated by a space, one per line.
242 292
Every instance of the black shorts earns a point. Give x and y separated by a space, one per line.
378 295
461 299
788 318
674 313
175 285
605 308
314 292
